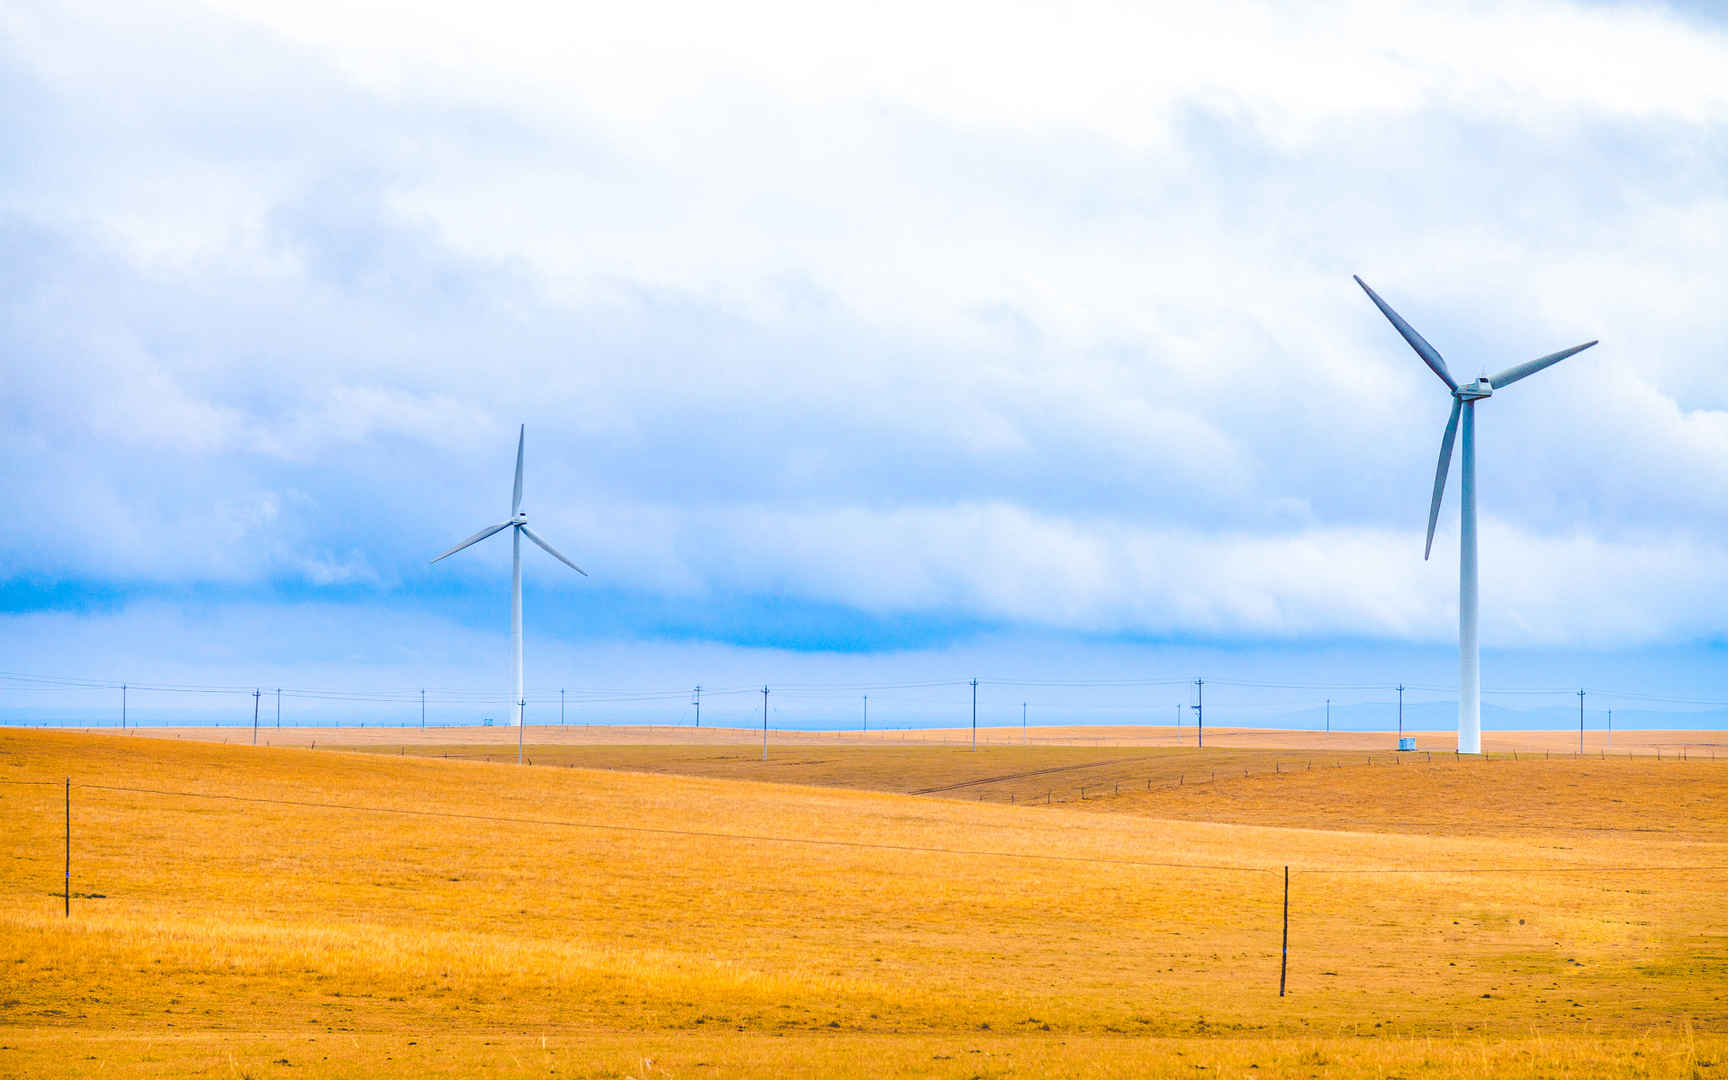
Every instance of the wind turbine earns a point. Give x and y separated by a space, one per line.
1464 399
519 524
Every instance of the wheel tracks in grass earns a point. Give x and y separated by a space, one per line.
1034 772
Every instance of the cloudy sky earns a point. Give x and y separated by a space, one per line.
891 341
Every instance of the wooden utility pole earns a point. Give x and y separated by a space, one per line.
1199 713
764 723
256 694
974 714
1580 721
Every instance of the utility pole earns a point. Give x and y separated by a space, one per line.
696 700
1400 710
1580 721
1328 716
1199 713
256 694
279 708
122 706
764 723
974 713
1610 727
521 722
422 710
560 706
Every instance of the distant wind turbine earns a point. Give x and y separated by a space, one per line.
519 523
1464 399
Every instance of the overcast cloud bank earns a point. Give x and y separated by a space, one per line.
1028 320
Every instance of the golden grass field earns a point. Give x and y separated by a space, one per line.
683 910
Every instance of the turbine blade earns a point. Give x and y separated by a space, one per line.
1513 374
1417 342
1440 472
475 539
516 499
544 546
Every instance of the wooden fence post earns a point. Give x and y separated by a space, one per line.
1284 953
68 847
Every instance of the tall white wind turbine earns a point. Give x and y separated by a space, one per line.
518 524
1464 399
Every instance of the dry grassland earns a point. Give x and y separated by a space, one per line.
280 912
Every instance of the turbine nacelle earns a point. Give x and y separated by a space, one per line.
1475 391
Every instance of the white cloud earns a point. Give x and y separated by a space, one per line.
1032 314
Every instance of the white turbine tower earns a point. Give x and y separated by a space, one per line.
1464 399
518 523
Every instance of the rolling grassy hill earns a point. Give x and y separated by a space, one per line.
285 912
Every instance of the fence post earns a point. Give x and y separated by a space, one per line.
68 847
1284 953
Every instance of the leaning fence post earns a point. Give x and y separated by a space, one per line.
1284 953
